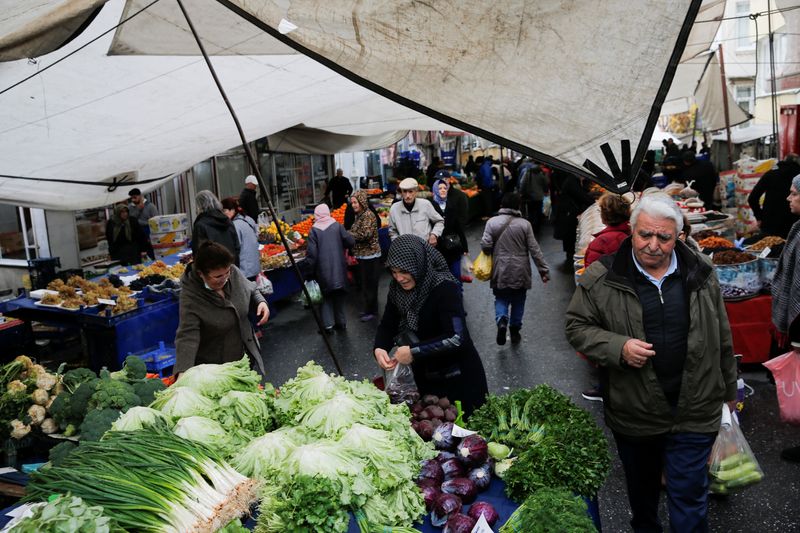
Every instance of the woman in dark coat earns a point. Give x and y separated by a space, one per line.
326 263
424 317
126 241
214 305
452 205
212 224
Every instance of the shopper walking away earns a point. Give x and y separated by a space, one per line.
664 379
142 210
786 291
508 238
367 251
533 187
615 213
247 233
452 204
248 200
326 262
424 318
214 305
212 224
414 215
775 217
126 242
485 180
572 200
338 189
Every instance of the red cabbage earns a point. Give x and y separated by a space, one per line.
432 470
459 523
444 456
481 476
452 469
483 508
444 507
462 487
473 450
443 437
431 493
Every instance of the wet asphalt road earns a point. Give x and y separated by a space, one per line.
544 356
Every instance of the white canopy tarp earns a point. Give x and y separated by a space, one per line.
556 79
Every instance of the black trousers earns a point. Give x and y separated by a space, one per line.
369 271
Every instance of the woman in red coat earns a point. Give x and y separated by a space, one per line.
615 211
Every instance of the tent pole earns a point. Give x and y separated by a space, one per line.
725 107
774 148
270 207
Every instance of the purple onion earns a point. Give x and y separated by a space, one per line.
486 509
462 487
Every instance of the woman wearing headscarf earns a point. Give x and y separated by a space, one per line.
326 263
452 204
786 292
212 224
126 241
367 251
424 318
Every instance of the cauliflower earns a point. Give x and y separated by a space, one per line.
19 430
40 397
49 426
37 414
46 381
17 389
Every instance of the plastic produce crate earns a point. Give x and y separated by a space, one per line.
159 359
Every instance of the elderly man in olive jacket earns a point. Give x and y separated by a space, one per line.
653 318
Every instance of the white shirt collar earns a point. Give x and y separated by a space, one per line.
673 266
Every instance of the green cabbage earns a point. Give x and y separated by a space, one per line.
329 460
215 381
139 417
312 385
389 464
266 456
247 411
180 402
205 430
331 417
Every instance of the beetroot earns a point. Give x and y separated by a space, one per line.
459 523
423 415
430 399
462 487
435 422
425 429
473 450
450 414
444 403
444 507
434 411
483 508
431 469
452 468
417 408
481 476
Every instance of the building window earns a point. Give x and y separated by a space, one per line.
231 172
743 94
745 38
17 239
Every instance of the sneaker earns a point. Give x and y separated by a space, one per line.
791 454
593 395
340 327
328 330
502 328
515 335
366 317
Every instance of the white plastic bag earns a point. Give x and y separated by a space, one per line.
263 284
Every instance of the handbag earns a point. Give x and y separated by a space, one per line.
451 242
482 266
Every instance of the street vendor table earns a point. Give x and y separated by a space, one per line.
751 321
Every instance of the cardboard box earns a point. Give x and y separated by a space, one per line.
161 253
169 237
11 242
168 245
86 236
167 223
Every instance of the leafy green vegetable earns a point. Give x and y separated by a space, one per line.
65 514
330 417
180 402
205 430
97 422
73 378
114 395
235 526
146 390
265 457
550 510
139 417
308 503
79 401
311 385
249 412
402 505
215 381
328 459
388 463
133 369
60 451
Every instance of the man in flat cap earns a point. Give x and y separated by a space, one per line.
414 215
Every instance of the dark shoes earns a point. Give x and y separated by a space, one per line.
791 454
515 335
340 327
328 330
502 329
593 395
366 317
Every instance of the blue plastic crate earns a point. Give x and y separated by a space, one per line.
158 359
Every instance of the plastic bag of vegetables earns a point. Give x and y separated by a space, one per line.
313 291
732 464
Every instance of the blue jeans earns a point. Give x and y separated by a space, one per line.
455 269
683 458
513 299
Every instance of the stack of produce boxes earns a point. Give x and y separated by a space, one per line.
169 234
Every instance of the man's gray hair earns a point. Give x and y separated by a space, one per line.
658 205
206 201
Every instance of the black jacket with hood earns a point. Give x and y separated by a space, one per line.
215 226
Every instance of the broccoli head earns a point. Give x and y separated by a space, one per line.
113 394
147 389
79 401
133 369
73 378
60 451
97 422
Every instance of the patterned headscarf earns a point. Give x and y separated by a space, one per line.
412 254
786 283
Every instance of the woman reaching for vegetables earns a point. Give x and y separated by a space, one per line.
424 318
214 303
